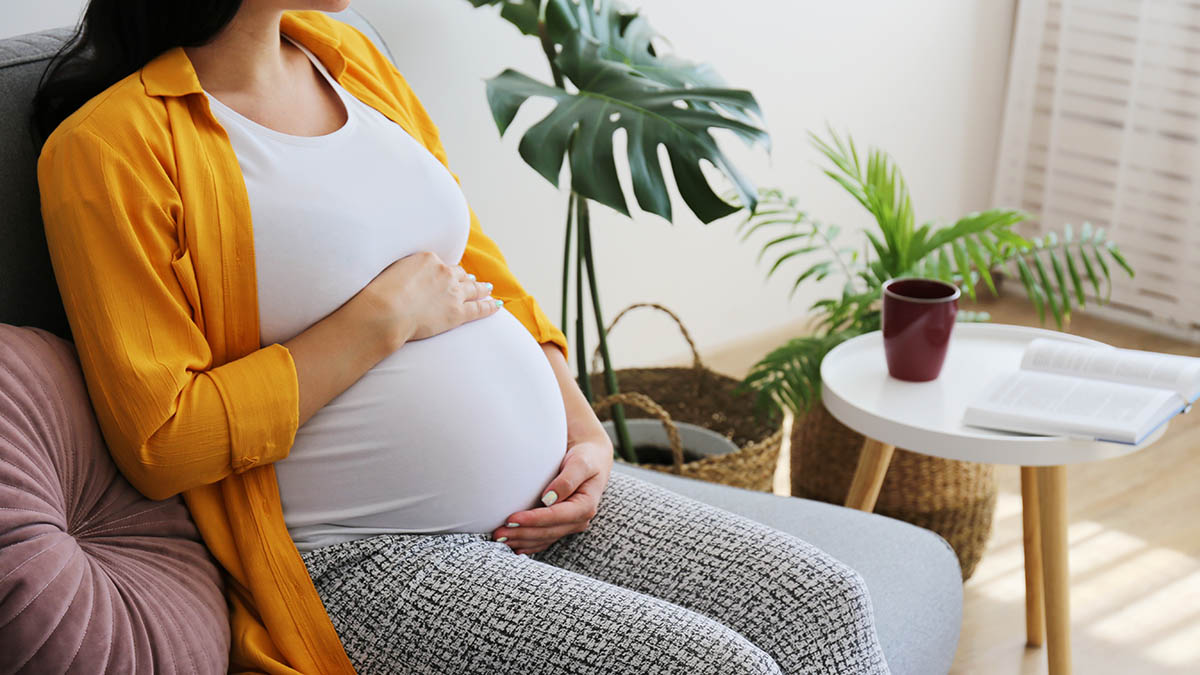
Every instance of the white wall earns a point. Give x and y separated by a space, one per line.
924 79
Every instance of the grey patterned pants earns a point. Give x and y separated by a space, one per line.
659 583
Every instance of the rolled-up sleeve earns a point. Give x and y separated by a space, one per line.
172 419
484 259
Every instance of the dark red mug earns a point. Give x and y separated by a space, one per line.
918 317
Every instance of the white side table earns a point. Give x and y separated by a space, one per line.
926 417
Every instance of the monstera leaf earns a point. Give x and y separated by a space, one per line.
522 14
624 35
621 82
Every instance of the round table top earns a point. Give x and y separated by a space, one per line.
926 417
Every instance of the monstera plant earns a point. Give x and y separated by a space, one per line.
1055 269
608 75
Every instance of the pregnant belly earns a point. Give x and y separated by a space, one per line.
448 434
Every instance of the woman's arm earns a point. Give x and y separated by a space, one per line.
582 422
571 499
171 418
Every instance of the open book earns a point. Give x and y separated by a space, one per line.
1084 391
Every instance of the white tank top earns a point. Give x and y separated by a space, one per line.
452 433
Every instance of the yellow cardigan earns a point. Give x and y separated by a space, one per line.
148 225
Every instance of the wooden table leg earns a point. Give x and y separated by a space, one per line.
1052 498
1035 613
868 477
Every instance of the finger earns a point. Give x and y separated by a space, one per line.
571 511
580 506
540 535
477 309
488 305
577 469
460 274
476 290
540 544
573 515
591 490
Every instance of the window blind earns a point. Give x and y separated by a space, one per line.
1102 125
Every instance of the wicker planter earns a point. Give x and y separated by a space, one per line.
705 398
955 499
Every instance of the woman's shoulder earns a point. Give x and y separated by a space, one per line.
365 63
122 118
350 41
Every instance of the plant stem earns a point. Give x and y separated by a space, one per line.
548 48
584 255
566 275
837 255
624 444
585 383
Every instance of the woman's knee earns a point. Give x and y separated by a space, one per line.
714 650
847 588
745 658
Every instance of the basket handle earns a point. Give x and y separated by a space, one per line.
696 363
646 403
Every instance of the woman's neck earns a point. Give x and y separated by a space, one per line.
246 56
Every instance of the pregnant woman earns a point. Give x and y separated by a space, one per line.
286 311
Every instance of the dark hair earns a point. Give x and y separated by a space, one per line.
114 39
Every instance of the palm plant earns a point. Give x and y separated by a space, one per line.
608 76
1055 270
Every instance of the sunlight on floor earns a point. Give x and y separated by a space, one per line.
1137 617
1180 647
1135 605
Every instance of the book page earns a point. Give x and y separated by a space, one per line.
1044 403
1180 374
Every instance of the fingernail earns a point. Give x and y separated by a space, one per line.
488 284
549 498
502 539
512 525
499 304
471 277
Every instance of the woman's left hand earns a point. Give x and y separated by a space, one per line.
571 499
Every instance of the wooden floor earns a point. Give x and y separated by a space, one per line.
1134 541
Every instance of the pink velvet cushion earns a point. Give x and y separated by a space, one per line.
94 577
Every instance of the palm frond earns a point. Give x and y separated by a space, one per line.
790 375
966 316
797 236
881 189
854 311
967 250
1055 270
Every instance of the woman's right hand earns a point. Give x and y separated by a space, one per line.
420 296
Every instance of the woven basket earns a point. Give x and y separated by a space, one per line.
700 396
955 499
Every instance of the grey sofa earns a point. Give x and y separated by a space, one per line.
912 574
